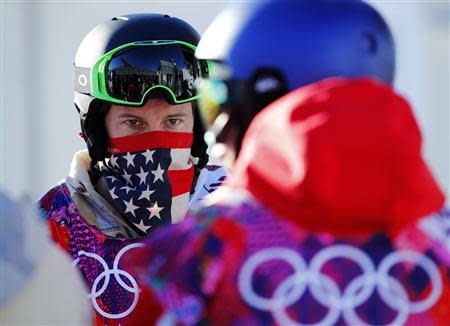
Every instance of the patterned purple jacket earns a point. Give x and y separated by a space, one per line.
238 264
116 296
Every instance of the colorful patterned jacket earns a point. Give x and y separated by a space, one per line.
116 296
236 263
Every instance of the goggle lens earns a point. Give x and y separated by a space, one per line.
212 95
135 71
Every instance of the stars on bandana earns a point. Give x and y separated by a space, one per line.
146 194
127 189
113 193
130 207
158 173
140 187
141 226
148 154
154 210
130 159
111 178
142 175
127 177
113 161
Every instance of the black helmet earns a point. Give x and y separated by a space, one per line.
270 48
108 36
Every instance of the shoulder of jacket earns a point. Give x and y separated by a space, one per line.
54 197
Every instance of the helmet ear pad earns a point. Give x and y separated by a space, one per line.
249 97
94 129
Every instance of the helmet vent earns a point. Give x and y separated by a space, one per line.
267 84
167 16
120 18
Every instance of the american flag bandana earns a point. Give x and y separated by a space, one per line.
149 177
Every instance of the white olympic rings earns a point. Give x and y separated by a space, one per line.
325 290
106 275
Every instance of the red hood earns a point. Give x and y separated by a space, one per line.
341 156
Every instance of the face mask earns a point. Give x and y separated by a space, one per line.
149 177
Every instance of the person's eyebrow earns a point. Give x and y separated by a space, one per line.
176 115
130 115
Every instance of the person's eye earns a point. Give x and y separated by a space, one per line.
133 123
173 122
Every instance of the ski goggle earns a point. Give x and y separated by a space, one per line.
129 73
220 93
213 96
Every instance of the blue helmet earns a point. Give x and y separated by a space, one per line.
269 48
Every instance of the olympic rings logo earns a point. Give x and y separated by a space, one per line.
117 275
327 292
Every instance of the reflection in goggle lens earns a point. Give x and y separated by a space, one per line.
132 72
212 94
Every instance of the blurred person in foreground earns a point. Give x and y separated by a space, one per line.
146 161
38 286
330 215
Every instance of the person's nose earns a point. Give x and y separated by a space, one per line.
154 124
